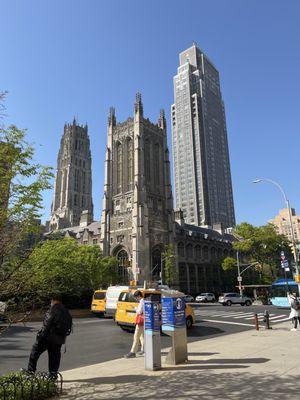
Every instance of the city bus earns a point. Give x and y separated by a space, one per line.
279 291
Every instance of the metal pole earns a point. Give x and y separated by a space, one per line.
295 250
256 322
161 269
239 273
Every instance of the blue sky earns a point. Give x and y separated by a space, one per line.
62 58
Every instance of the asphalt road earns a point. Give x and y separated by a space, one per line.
97 340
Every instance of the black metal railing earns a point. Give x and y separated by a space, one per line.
24 386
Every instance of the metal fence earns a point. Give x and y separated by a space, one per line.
24 386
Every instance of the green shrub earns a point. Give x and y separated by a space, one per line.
20 386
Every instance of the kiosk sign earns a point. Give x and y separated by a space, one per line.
152 318
173 313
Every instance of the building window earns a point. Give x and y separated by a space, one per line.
120 224
156 164
119 167
147 161
130 164
120 238
95 241
180 248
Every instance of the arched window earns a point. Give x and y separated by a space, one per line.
198 252
156 264
147 161
205 253
180 248
130 164
213 254
156 164
189 251
123 264
119 167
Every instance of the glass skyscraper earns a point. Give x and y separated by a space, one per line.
203 188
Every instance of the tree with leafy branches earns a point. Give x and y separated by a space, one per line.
262 245
169 266
62 267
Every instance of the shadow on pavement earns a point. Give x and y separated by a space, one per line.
195 384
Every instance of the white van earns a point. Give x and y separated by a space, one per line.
112 297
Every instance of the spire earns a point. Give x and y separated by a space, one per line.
138 106
74 121
162 119
112 116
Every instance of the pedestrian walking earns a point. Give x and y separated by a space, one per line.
57 325
295 310
138 337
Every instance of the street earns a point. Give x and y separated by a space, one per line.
96 340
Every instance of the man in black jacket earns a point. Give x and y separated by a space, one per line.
57 325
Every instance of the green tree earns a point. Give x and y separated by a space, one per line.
262 245
62 267
21 185
169 272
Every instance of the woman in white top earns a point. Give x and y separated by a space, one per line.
295 310
139 327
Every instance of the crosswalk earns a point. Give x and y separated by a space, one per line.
237 317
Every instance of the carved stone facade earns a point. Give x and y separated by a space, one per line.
73 183
137 214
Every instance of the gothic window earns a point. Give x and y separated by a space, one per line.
180 249
189 251
156 264
156 164
198 252
205 253
123 264
130 164
119 167
147 161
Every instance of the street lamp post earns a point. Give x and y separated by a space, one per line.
241 272
287 203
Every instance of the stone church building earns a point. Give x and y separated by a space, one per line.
137 215
138 219
73 181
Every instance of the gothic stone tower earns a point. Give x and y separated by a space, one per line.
137 216
73 183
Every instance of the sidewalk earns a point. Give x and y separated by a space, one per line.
241 366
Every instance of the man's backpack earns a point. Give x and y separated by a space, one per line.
296 304
64 326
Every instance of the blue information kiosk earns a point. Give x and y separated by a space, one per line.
174 325
152 345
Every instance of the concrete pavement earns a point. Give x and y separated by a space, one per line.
246 365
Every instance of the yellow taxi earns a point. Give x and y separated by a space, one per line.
126 309
98 302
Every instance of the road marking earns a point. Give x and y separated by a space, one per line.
282 320
225 322
277 316
244 315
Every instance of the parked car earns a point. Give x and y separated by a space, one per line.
188 298
227 299
99 302
3 308
127 304
205 298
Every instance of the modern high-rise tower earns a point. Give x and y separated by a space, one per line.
203 188
72 198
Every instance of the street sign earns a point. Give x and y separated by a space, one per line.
284 264
239 278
